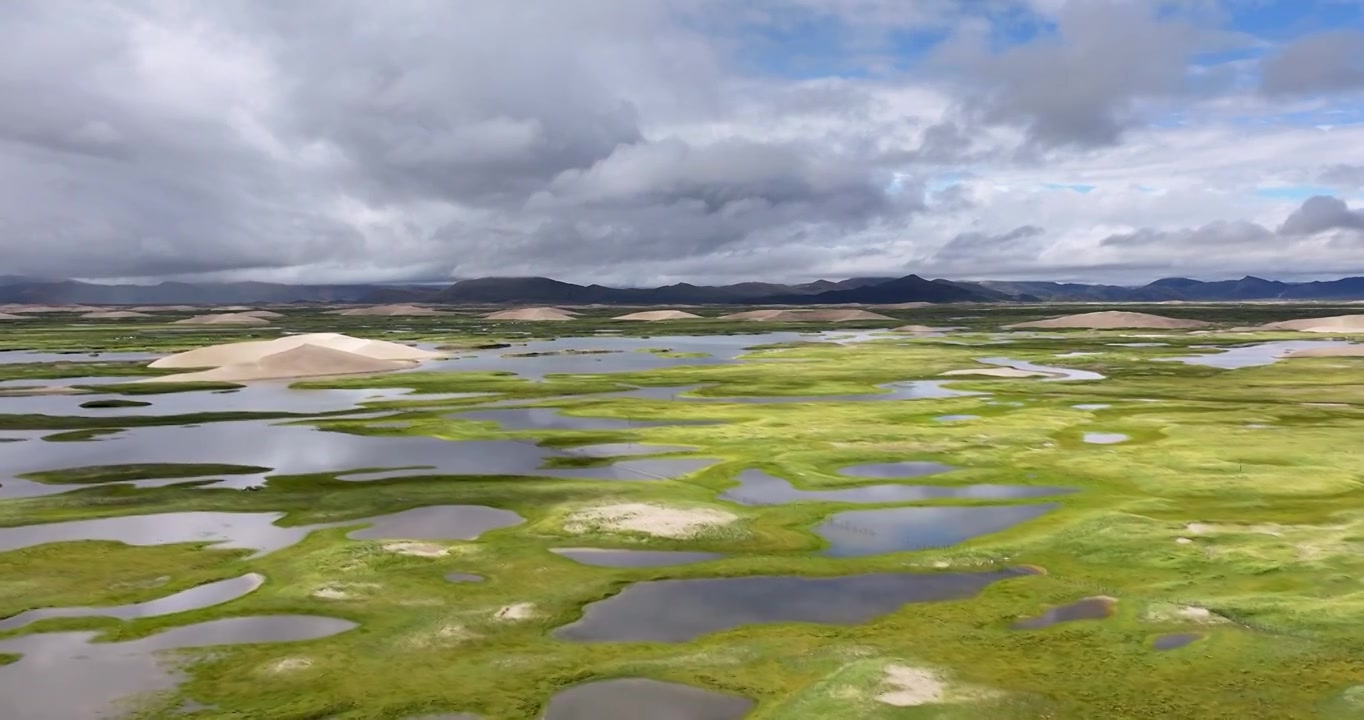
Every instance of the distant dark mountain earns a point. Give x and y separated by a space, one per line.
547 291
1059 292
174 293
910 288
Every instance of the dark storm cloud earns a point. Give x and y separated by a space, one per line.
1081 86
219 137
1322 213
1324 63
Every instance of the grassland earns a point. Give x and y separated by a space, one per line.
1239 493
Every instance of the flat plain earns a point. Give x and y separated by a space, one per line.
711 518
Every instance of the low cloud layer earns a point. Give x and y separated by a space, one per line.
668 140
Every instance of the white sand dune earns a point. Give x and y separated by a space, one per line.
1332 324
113 315
757 315
903 306
531 314
263 314
915 329
830 315
298 362
392 311
1111 320
256 350
223 319
656 315
164 308
11 316
230 309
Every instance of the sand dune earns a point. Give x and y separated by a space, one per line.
223 319
256 350
830 315
754 315
263 314
30 308
656 315
1113 319
1332 324
230 309
915 329
113 315
903 306
164 308
298 362
533 314
391 311
11 316
1335 351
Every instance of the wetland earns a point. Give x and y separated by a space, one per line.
708 522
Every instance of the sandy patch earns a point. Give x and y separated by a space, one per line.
910 686
915 329
1184 613
12 316
517 611
1213 529
417 549
530 314
656 520
1113 319
41 390
289 664
392 311
1183 540
263 314
223 319
1331 324
113 315
330 593
806 316
656 315
1002 372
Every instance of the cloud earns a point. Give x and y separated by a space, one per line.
1320 214
1349 177
1082 85
1324 63
629 142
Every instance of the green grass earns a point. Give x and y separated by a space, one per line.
1272 518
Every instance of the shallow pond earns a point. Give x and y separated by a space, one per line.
855 533
553 419
903 390
8 357
955 418
438 522
1093 608
300 449
1099 438
1092 406
1174 641
719 350
256 397
681 610
607 557
759 488
644 699
65 676
255 531
463 578
606 450
207 595
1267 353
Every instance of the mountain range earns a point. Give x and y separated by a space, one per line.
542 290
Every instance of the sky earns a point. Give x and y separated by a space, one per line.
644 142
